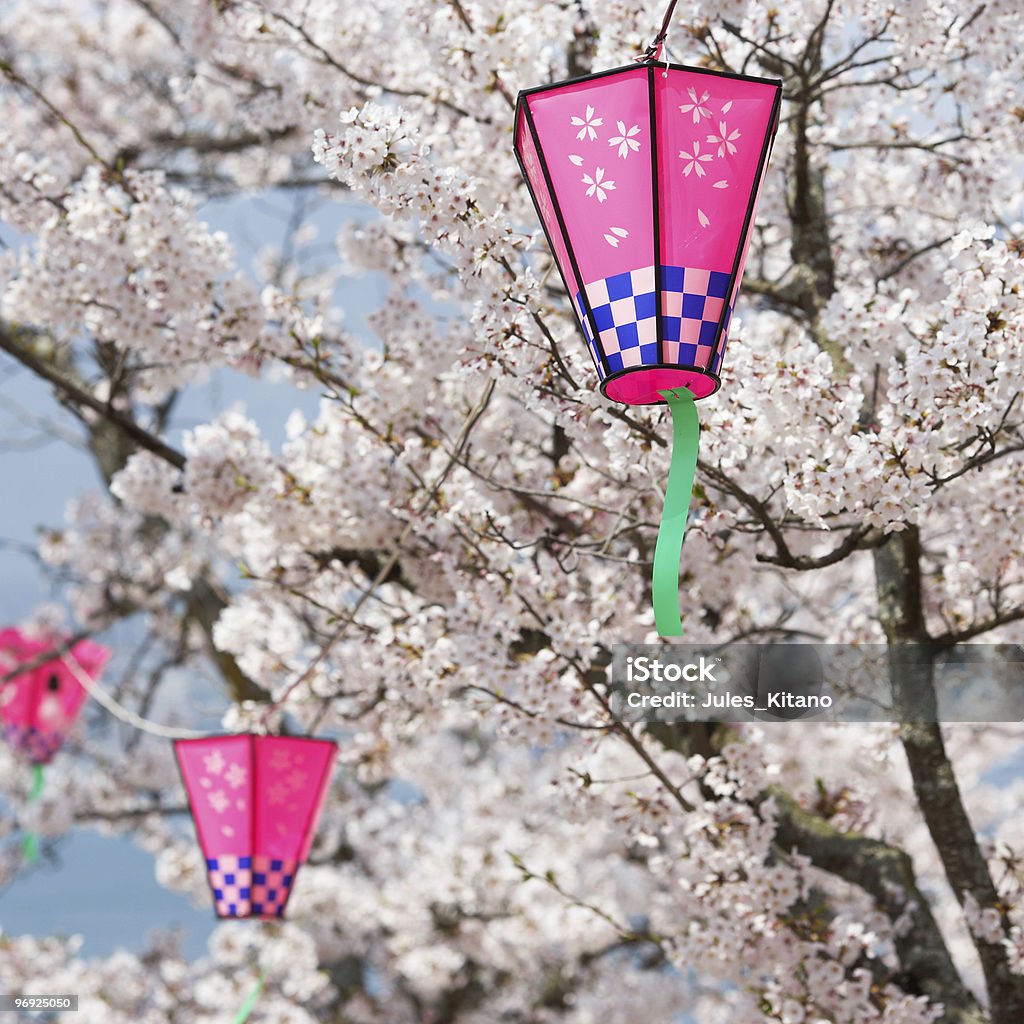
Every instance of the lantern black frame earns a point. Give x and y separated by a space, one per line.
596 351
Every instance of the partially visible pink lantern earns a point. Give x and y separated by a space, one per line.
39 707
646 179
256 801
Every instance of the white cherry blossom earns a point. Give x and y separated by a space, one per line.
427 528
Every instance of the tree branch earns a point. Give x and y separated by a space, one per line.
886 873
19 345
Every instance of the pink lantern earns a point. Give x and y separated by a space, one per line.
256 801
39 707
646 179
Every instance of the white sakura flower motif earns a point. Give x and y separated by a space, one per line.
721 184
589 123
702 217
214 762
694 160
697 106
277 794
624 140
724 139
218 801
280 760
612 240
598 184
575 160
235 776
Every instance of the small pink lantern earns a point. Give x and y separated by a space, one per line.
39 707
256 801
646 179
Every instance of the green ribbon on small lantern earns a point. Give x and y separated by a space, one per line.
247 1007
678 490
30 844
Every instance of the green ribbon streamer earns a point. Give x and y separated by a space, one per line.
247 1007
669 547
30 844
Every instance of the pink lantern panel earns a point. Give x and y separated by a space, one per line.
39 707
646 180
256 801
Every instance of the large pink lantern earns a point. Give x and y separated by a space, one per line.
256 801
39 707
646 179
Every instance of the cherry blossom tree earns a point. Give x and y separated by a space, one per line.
432 568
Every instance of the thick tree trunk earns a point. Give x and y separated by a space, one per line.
900 606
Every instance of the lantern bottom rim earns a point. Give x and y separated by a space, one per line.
640 385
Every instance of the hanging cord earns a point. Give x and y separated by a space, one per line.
122 713
669 546
653 52
30 844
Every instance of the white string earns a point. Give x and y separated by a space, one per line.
119 711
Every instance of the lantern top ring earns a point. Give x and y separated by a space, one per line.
651 55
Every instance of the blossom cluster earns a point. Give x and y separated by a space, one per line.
433 564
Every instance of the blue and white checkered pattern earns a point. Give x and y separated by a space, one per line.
272 879
691 306
231 881
256 886
37 745
625 313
